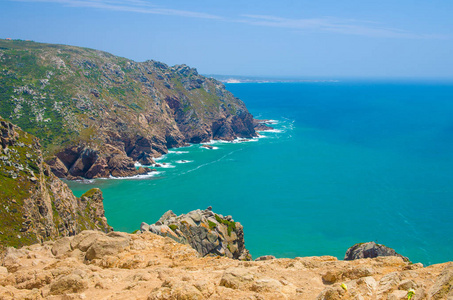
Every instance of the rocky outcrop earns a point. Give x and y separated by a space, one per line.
35 205
95 265
370 250
262 125
209 233
96 113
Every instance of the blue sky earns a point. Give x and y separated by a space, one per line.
306 39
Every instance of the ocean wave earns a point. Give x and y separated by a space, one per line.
177 152
270 122
140 176
159 158
183 161
273 130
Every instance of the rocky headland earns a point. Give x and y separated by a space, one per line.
96 113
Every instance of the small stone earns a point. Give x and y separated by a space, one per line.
397 295
265 257
331 277
407 285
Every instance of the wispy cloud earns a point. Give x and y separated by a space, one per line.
342 26
137 6
326 24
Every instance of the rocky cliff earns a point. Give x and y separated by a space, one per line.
94 265
35 205
209 233
97 113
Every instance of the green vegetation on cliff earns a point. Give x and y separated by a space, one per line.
35 205
107 105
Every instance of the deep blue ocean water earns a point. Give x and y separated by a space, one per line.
350 162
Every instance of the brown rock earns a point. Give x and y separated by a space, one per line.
68 284
61 246
443 288
58 167
111 244
237 278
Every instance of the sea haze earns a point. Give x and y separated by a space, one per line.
349 162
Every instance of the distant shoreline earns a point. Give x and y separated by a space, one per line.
240 79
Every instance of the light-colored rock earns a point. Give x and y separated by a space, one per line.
85 239
398 295
68 284
111 244
265 257
61 246
388 282
331 276
443 288
237 278
149 266
407 285
266 285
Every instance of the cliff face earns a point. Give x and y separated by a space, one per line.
35 205
205 231
97 113
94 265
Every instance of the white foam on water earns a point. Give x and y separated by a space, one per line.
176 152
210 148
159 158
273 130
270 122
84 181
140 176
183 161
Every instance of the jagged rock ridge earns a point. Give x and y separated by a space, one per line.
97 113
205 231
35 205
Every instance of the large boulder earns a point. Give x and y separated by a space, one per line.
370 250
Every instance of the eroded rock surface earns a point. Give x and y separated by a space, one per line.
207 232
95 265
35 205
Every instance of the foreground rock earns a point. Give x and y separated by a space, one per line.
35 205
205 231
370 250
95 265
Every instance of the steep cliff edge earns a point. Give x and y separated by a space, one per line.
209 233
35 205
96 113
95 265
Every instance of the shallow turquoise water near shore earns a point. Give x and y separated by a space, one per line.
352 162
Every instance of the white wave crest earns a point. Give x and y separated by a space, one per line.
141 176
184 161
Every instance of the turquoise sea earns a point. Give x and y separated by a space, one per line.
349 162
